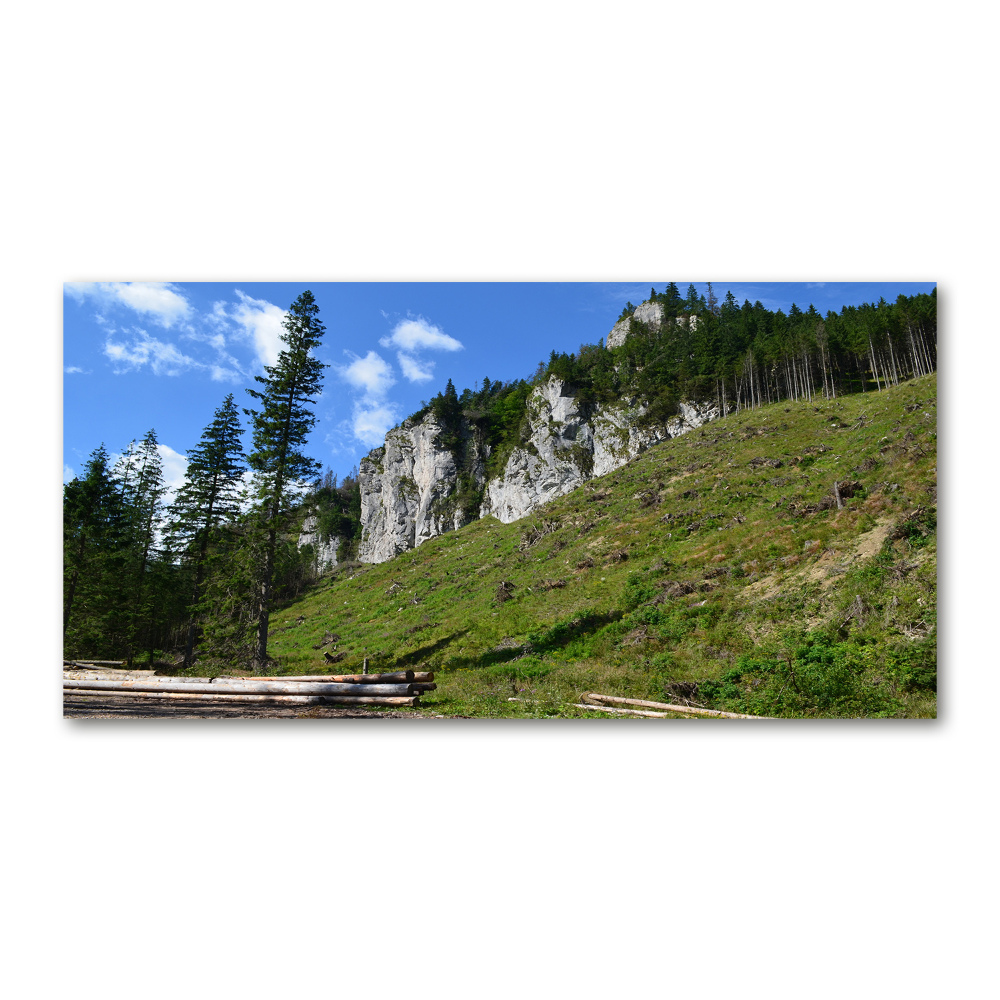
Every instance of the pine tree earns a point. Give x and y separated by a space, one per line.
280 429
142 490
712 302
92 532
672 300
209 498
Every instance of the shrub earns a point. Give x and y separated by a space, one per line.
822 677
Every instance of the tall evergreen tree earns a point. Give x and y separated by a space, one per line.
92 530
672 299
209 498
142 490
280 429
712 302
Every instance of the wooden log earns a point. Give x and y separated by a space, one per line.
237 687
400 677
85 664
296 685
686 709
421 688
277 699
622 711
107 675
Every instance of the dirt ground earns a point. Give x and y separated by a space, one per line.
99 705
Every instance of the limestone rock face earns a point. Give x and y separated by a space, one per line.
324 553
408 491
648 312
557 458
567 447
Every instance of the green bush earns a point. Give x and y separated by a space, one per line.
917 530
638 590
915 665
822 677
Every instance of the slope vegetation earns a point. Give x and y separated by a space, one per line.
778 562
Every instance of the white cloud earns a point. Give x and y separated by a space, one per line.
415 333
414 369
218 316
214 340
158 300
260 322
255 323
371 421
371 373
162 358
373 415
174 470
220 374
73 370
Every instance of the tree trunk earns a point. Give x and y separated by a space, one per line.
259 662
871 352
892 359
241 686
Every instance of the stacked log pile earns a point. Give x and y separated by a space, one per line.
397 689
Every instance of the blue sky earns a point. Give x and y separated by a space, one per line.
141 355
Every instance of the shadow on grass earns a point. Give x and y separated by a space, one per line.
557 637
563 633
425 652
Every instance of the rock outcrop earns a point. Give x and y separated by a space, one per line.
650 313
410 490
324 553
569 445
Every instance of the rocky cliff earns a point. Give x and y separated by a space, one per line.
650 313
412 488
324 553
569 444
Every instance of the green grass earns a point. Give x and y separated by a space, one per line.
694 564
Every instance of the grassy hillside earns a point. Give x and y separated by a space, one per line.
716 568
